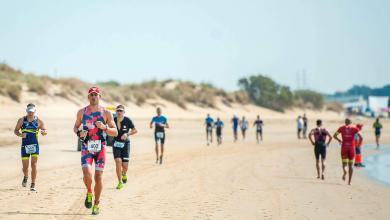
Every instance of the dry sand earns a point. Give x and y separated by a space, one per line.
272 180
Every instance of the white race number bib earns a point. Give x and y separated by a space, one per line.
119 144
31 148
160 135
94 146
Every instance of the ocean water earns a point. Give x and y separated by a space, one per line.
378 165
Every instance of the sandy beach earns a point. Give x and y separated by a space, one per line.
272 180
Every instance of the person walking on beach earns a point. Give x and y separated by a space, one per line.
259 129
377 128
160 123
358 148
92 123
320 144
299 126
244 126
209 122
28 128
348 132
121 146
235 122
219 126
305 125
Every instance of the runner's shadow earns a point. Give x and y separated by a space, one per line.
324 182
294 177
6 190
70 151
44 213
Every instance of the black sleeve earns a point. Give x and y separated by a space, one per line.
131 125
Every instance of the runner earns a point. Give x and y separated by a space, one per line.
244 125
209 129
235 122
348 133
259 128
94 121
377 127
28 128
160 123
299 126
121 146
219 126
320 146
305 124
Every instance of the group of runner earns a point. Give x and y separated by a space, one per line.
351 144
93 123
218 124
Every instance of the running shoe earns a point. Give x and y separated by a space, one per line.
124 178
32 187
120 185
24 182
88 201
95 210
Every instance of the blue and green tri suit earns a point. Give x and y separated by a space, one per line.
30 145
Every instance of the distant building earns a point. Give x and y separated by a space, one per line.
378 106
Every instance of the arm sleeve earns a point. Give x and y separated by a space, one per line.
131 124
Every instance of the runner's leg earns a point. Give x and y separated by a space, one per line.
98 186
34 160
118 165
156 152
87 178
25 163
350 172
318 168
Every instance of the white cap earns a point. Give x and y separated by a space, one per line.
31 109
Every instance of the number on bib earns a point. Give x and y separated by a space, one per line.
94 146
119 144
31 149
160 135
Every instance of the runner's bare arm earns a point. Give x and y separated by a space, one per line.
78 121
151 124
166 125
133 131
311 136
17 127
42 127
330 138
335 136
111 127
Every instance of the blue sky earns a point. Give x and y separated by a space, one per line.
338 43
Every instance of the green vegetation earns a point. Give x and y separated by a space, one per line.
261 90
179 92
264 91
309 99
365 91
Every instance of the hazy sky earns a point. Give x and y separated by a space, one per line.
337 42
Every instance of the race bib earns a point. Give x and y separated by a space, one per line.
119 144
94 146
30 149
160 135
209 128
